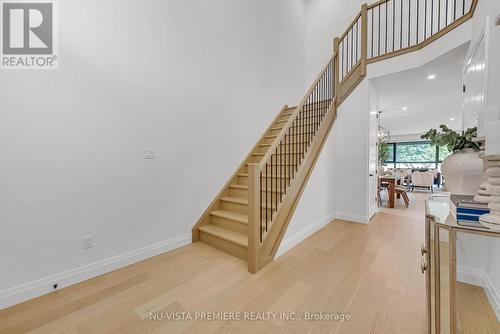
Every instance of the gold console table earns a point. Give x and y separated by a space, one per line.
439 264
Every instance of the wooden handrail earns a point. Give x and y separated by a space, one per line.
376 4
350 26
292 118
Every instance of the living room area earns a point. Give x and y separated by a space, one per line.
417 107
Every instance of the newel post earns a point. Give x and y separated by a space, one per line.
364 38
253 217
336 73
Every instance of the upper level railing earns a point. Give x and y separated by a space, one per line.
398 25
350 47
382 30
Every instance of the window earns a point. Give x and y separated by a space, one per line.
416 155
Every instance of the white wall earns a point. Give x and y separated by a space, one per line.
197 80
316 207
326 19
351 156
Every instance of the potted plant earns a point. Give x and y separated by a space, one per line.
463 169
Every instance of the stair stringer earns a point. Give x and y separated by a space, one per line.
274 237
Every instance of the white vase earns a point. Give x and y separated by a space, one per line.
463 172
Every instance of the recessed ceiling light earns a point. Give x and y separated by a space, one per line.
431 77
405 108
452 119
373 113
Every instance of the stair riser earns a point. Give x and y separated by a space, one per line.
275 131
281 122
262 149
285 158
243 180
226 246
240 193
268 140
229 224
238 208
289 148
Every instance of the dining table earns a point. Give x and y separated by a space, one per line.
391 181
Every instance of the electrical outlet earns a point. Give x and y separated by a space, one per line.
88 241
149 154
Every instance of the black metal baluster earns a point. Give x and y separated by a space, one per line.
439 15
409 23
446 13
289 174
357 40
276 187
386 23
260 203
311 111
425 20
379 30
393 25
373 32
418 21
454 10
401 38
342 62
432 17
281 170
463 8
267 189
272 183
291 148
296 143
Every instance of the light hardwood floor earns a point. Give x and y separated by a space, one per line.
370 271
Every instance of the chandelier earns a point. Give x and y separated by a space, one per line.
383 135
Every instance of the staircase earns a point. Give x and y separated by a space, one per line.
228 227
250 215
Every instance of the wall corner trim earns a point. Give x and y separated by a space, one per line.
352 217
33 289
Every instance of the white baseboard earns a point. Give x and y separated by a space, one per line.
480 278
355 218
44 285
296 238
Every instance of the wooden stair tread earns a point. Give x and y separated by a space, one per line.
237 217
259 154
244 201
285 144
225 234
264 175
235 200
245 187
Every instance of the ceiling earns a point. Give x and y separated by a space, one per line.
428 103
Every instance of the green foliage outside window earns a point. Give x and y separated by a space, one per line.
416 153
